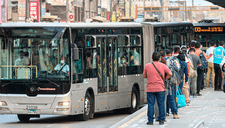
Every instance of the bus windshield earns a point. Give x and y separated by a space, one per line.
34 53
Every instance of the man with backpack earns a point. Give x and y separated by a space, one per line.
218 54
204 64
170 97
193 78
210 68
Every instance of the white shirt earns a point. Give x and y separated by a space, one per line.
65 68
208 52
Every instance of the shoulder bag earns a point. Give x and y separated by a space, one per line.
160 75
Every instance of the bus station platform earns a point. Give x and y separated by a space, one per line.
206 111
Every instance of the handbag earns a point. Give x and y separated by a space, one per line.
160 75
181 102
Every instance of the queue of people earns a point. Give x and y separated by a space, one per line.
181 69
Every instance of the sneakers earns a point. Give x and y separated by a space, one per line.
161 122
175 116
149 123
198 94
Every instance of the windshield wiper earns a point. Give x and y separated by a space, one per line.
52 82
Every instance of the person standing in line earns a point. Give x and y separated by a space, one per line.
156 87
183 68
162 53
210 68
196 63
200 71
170 96
218 54
188 60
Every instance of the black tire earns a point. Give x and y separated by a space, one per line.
23 118
135 101
87 108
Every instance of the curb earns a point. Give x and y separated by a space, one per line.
129 117
199 125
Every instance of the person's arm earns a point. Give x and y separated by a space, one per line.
199 63
168 72
186 72
145 73
207 57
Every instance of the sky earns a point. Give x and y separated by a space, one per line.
197 2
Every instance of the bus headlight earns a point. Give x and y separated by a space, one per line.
3 103
64 103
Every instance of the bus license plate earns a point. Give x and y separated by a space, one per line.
31 107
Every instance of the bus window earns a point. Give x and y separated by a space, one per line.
89 41
123 41
173 39
135 40
122 61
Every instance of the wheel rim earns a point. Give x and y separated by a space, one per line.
134 100
87 106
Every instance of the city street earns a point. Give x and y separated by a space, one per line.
101 120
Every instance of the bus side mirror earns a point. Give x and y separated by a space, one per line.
75 53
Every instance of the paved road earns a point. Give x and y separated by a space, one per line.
101 120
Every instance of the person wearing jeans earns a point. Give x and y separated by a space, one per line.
218 54
156 72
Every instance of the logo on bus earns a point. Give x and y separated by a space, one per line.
209 29
45 89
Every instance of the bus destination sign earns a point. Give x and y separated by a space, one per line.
208 29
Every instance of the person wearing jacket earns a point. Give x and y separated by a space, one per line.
184 68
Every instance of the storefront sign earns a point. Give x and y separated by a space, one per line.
34 10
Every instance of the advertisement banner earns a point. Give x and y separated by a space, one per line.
34 13
43 9
21 9
114 16
59 2
71 11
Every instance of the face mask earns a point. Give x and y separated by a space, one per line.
62 61
110 45
123 61
99 45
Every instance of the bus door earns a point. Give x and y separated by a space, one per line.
112 63
101 42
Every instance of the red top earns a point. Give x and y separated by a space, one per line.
155 82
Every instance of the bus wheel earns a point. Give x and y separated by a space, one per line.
134 101
87 108
23 118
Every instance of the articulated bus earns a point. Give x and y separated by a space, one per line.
78 68
207 32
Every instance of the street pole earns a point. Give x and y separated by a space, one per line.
67 10
110 10
89 8
40 11
130 9
98 7
84 11
185 10
144 7
192 11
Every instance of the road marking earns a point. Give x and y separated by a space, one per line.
50 125
134 125
132 120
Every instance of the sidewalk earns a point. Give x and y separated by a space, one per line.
210 108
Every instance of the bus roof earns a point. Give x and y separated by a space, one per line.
209 24
168 24
72 25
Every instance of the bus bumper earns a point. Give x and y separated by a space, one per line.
39 105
